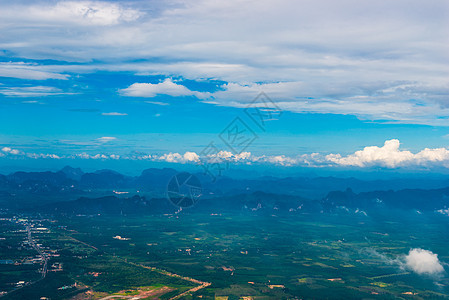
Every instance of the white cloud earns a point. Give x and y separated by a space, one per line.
282 160
423 261
420 261
94 156
157 103
11 151
41 155
378 60
387 156
191 156
167 87
105 139
391 156
27 71
444 211
114 114
32 91
81 13
177 158
388 101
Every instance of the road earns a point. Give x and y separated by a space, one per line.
119 296
197 288
45 258
39 250
41 253
202 284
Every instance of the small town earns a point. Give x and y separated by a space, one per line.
22 241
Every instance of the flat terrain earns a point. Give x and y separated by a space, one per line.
65 267
262 257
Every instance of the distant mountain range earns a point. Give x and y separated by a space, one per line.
260 202
257 201
72 191
418 199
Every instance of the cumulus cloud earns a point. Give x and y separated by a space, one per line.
95 156
11 151
444 211
423 261
387 156
166 87
42 155
420 261
280 160
390 156
187 157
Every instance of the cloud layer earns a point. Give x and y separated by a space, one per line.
378 60
387 156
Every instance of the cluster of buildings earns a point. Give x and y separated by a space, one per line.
27 246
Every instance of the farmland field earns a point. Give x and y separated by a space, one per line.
277 257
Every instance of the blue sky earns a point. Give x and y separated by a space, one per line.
358 84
